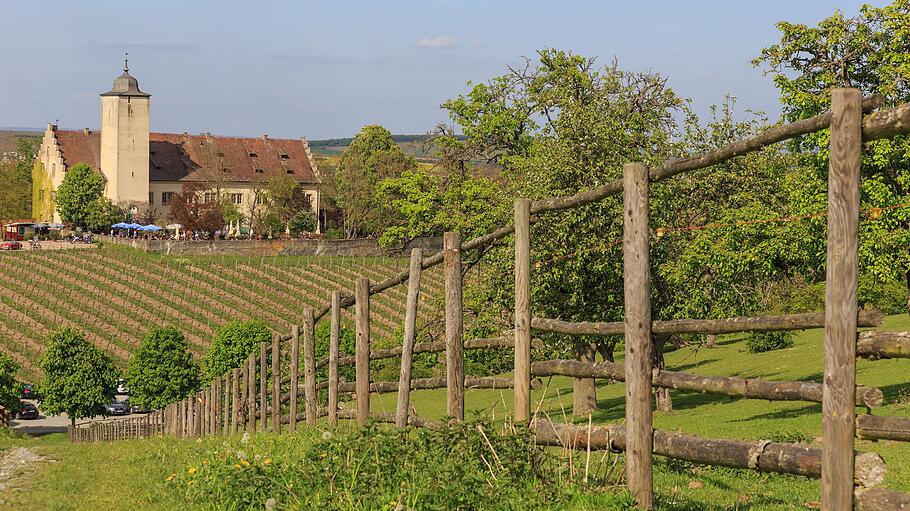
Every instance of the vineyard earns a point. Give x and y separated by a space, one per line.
115 295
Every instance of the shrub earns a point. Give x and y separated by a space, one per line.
9 387
347 342
232 344
79 379
162 370
302 221
760 342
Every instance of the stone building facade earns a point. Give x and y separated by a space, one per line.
143 170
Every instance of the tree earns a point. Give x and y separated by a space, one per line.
101 214
16 176
286 199
372 157
303 221
197 209
79 379
232 344
80 188
162 369
9 387
869 52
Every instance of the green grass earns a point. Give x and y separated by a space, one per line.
98 476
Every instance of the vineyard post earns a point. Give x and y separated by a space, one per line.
226 406
522 369
838 392
263 386
407 346
454 326
235 398
637 290
244 383
309 366
203 412
333 357
276 384
362 350
251 394
295 375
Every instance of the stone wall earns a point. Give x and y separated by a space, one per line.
258 248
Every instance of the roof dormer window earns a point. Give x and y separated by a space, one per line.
290 171
285 157
260 171
252 155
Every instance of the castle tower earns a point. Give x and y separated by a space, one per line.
125 143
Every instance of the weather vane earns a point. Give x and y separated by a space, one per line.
126 59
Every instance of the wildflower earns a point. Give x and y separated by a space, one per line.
270 504
191 482
245 438
236 466
326 435
241 455
267 461
257 457
245 463
170 477
191 470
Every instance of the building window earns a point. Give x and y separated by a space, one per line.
151 198
260 199
166 197
210 197
260 171
237 198
285 157
252 155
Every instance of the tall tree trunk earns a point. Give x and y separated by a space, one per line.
606 351
663 401
584 394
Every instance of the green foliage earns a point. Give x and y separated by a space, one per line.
162 369
371 158
286 200
445 468
760 342
302 221
9 386
79 379
101 214
347 342
232 344
80 189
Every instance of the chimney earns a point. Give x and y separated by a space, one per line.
265 137
85 131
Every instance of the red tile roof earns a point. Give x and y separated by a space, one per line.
177 157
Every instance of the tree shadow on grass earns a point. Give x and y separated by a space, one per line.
790 413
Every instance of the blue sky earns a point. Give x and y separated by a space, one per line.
323 69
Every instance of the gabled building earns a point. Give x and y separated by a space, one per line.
143 171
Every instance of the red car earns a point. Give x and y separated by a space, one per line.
10 245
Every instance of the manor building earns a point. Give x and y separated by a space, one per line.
142 171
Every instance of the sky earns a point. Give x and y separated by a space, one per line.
324 69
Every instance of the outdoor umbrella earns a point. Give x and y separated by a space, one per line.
150 228
133 226
55 226
120 225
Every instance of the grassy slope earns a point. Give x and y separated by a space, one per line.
92 476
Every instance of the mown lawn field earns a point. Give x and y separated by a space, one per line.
133 474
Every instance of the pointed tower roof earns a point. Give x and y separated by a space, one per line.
126 84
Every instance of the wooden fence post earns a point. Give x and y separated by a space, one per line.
454 333
309 366
362 350
522 369
295 375
244 383
276 384
204 412
263 386
226 407
637 287
251 394
333 357
235 398
407 346
838 391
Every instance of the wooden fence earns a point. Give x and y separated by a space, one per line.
151 424
232 404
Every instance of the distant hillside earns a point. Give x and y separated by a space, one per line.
9 136
417 146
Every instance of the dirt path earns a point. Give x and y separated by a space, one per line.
14 462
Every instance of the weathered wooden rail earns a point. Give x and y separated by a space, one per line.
240 400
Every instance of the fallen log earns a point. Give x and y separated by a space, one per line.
876 427
865 318
413 420
876 345
752 388
880 499
762 456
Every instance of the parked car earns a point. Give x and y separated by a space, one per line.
116 408
136 408
10 245
121 387
28 411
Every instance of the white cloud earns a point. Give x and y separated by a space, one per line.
441 41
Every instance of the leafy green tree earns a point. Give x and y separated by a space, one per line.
232 344
80 189
9 387
16 176
162 369
372 157
286 200
101 214
871 52
302 221
79 379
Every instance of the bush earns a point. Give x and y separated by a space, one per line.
760 342
302 221
233 343
9 387
347 342
162 370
